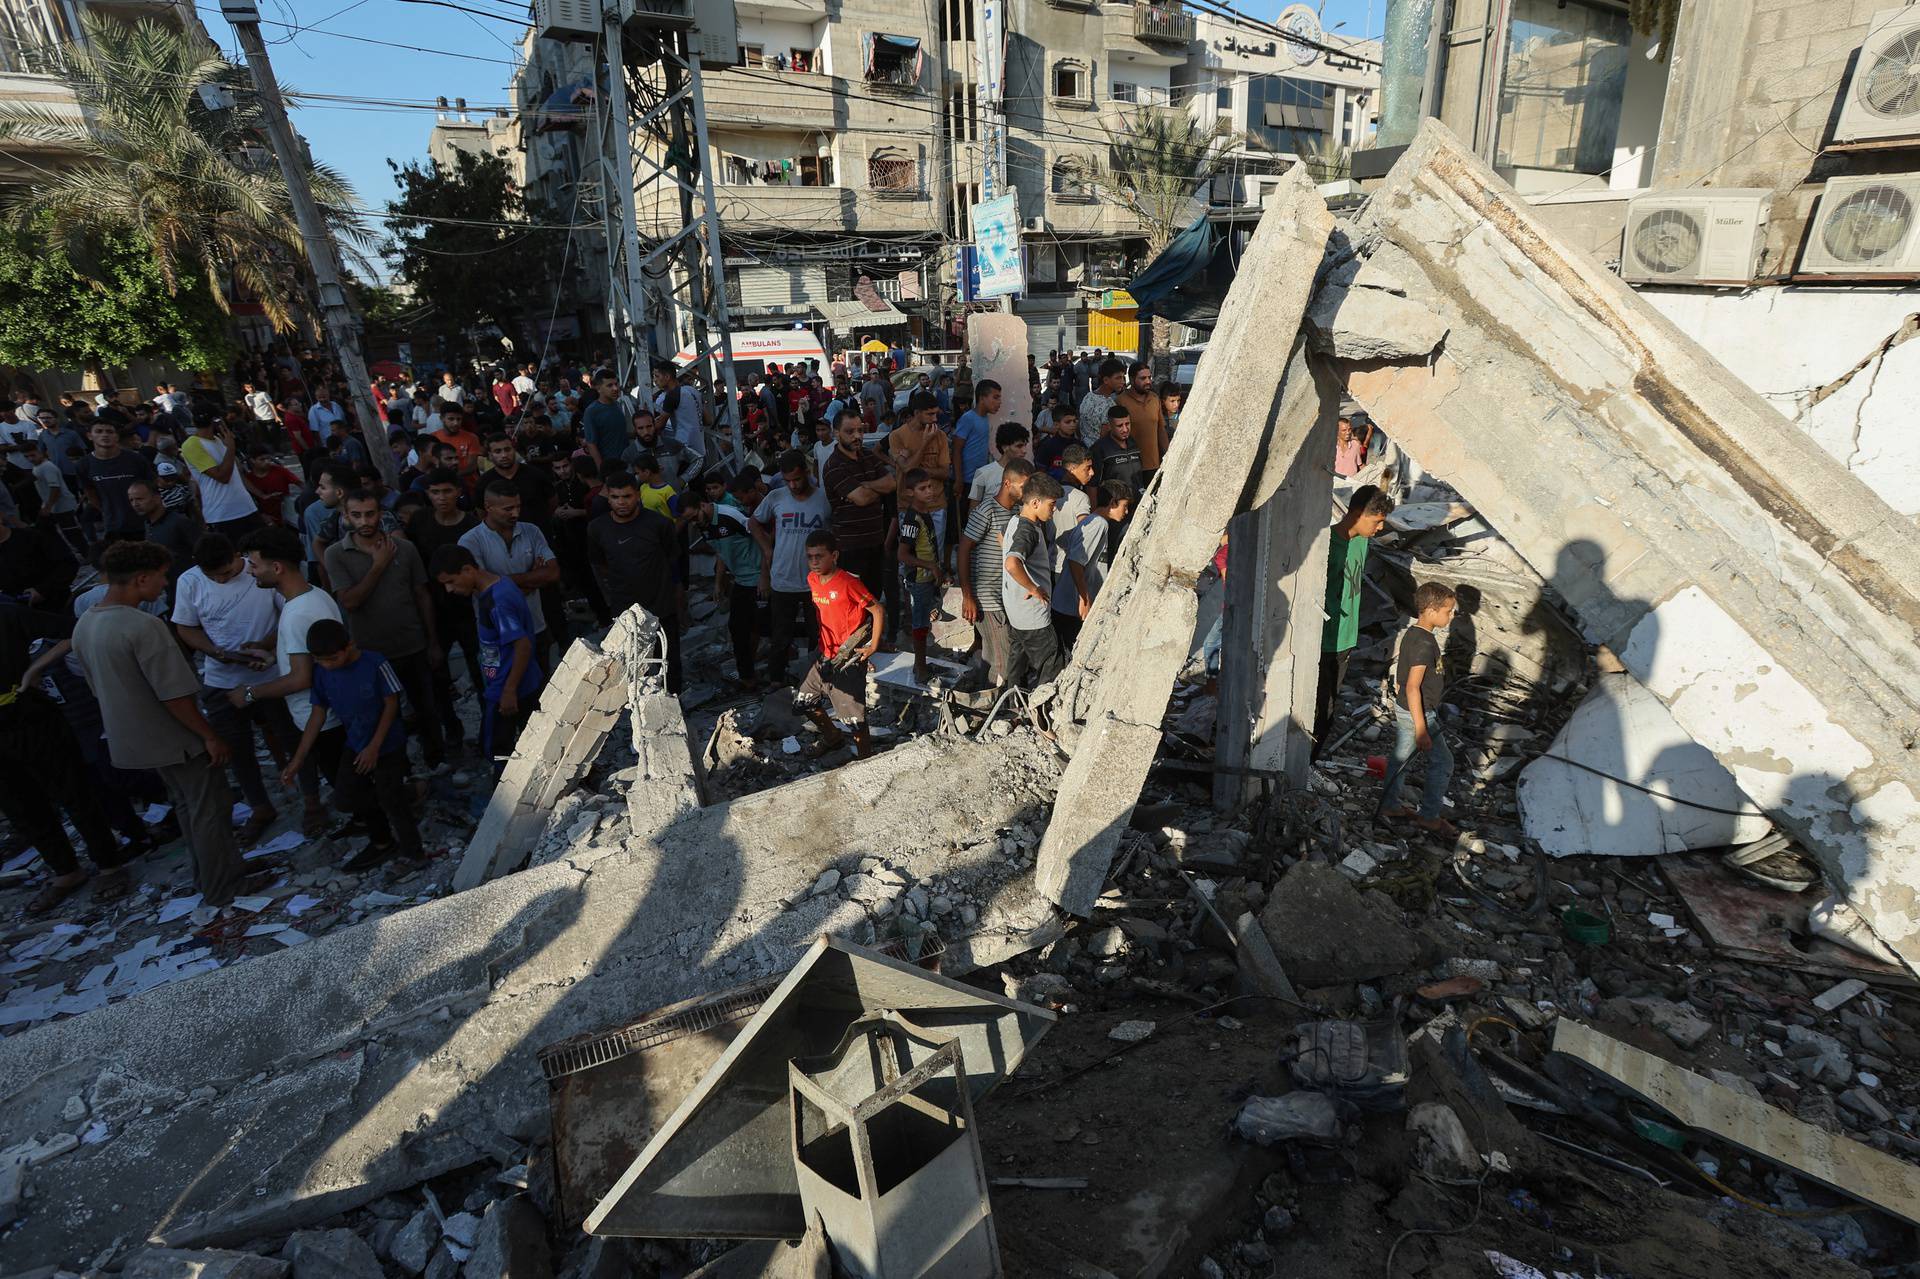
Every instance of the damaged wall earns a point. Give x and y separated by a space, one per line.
1761 592
1838 361
255 1098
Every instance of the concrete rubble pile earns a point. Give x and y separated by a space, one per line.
1652 1014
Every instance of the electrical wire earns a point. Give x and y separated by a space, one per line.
461 8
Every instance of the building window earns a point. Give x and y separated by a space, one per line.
891 171
956 20
1566 77
796 171
893 60
1289 115
1069 181
1071 81
1125 92
753 55
963 113
960 216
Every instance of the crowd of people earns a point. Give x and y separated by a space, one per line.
189 584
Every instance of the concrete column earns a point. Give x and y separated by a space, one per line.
1276 588
1113 696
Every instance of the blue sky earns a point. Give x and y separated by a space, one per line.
324 47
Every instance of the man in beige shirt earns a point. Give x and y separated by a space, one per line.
1149 418
149 703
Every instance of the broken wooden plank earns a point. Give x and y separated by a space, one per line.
1139 634
1838 1163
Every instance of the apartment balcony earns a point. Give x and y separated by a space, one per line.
46 94
784 99
1150 35
1163 24
786 208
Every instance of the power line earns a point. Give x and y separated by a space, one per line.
461 8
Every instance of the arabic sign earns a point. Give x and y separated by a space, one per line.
996 241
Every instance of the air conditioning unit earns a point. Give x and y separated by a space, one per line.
712 26
574 21
1036 226
1695 236
1865 226
1883 95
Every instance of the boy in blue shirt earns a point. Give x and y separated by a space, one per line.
361 688
507 664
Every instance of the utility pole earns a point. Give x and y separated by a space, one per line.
342 333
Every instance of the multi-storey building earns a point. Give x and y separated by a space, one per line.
1758 182
26 24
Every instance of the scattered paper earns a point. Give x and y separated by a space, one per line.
1507 1268
178 907
291 937
278 844
1659 920
301 903
791 745
96 1132
96 977
1839 995
155 812
252 905
241 812
22 861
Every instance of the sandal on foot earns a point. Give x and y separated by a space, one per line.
112 885
52 895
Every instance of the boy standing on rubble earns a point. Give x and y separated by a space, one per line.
1418 681
1026 590
1346 574
844 604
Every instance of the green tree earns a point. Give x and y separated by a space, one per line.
468 266
120 308
1156 165
168 147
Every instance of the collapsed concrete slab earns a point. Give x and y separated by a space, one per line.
274 1094
1766 596
582 701
1114 693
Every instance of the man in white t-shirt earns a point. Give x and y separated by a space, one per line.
524 385
221 615
274 559
226 504
259 403
451 392
781 524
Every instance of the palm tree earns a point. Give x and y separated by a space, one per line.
167 147
1155 167
1157 164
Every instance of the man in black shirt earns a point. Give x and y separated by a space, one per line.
1115 455
441 524
44 770
536 486
165 527
632 550
1418 683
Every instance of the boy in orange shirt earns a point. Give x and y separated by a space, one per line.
843 603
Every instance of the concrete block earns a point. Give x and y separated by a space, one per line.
997 351
341 1075
1753 585
1778 56
1833 43
180 1263
332 1254
1138 637
512 1243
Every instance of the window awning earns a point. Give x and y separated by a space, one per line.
896 50
855 316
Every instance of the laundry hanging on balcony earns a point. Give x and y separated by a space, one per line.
566 107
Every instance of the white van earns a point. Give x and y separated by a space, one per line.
753 352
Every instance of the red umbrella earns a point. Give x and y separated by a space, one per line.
386 369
